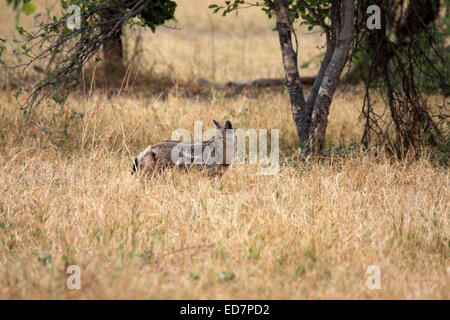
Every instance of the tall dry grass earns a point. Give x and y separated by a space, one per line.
311 231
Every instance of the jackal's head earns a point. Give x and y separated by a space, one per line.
225 132
144 159
225 135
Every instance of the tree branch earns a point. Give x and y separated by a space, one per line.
319 19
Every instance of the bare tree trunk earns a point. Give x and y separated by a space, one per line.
113 56
311 116
331 44
319 117
298 104
112 49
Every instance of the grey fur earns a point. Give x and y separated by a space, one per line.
215 158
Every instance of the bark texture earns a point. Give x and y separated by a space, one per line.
319 117
298 104
113 56
311 115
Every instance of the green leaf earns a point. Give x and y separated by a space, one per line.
194 275
76 115
66 30
28 8
45 258
305 64
20 30
226 276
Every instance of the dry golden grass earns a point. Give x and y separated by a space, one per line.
311 231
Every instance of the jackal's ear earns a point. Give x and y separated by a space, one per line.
135 165
218 126
228 125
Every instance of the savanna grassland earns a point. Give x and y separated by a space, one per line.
67 196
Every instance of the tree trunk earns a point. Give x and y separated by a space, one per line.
112 49
298 105
319 117
113 56
311 116
417 14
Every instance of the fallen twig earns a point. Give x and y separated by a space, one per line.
264 82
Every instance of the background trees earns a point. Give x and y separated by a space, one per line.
400 60
399 63
406 59
65 51
311 114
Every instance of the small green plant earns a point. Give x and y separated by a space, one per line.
45 258
226 276
194 276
